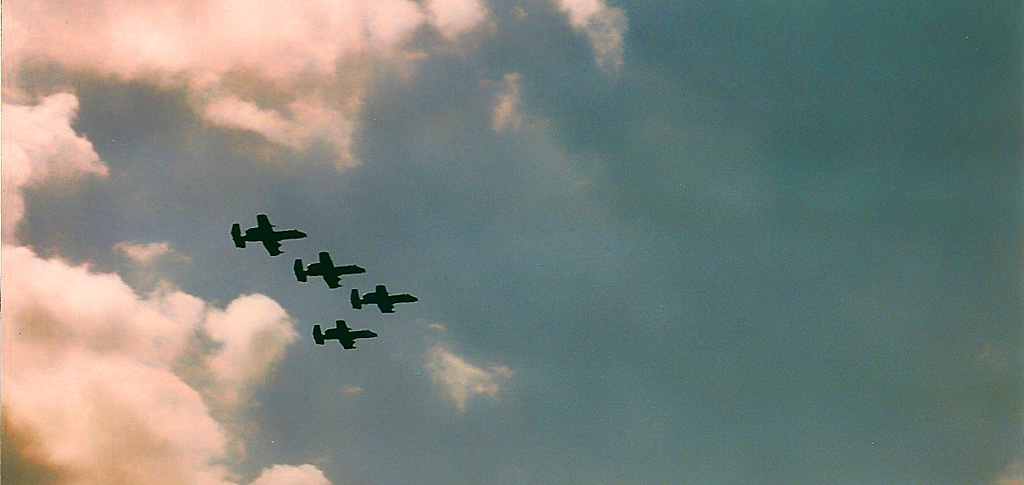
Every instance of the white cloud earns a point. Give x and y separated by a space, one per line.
461 380
89 371
605 27
317 54
39 143
292 475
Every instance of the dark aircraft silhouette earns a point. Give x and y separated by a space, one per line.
380 297
344 335
326 268
264 232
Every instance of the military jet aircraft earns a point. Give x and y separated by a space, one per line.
264 232
326 268
380 297
344 335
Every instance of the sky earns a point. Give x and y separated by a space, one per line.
706 242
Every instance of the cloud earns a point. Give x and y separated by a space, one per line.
38 144
253 333
460 379
21 458
605 27
53 303
308 120
1013 475
317 55
206 39
453 17
92 370
292 475
146 253
89 371
352 390
505 115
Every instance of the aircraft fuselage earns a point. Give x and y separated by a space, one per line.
380 297
257 234
264 232
344 335
326 269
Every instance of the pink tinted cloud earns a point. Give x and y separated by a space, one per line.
453 17
89 366
308 120
280 39
253 332
295 45
146 253
39 144
604 26
87 370
291 475
505 115
90 371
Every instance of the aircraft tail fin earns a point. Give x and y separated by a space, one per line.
318 336
236 235
357 303
300 274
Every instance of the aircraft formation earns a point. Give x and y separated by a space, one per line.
324 267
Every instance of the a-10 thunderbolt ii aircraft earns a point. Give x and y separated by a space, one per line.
264 232
326 268
380 297
344 335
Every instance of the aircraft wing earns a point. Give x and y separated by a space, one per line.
348 344
386 307
405 298
351 269
362 334
332 279
273 247
263 222
291 234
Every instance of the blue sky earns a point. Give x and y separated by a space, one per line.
710 242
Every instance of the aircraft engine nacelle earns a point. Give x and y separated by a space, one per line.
300 274
236 235
357 303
